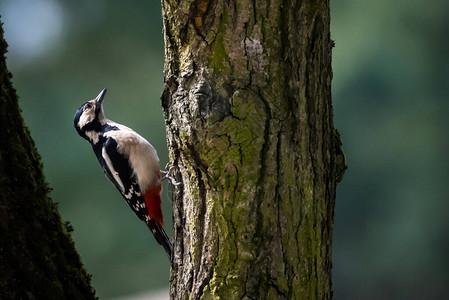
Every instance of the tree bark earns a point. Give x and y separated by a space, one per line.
38 259
247 105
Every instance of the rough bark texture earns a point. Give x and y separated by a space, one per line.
248 112
38 259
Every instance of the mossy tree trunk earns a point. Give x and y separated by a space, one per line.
247 104
38 259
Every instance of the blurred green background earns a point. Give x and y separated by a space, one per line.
390 90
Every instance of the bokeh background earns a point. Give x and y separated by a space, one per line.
390 94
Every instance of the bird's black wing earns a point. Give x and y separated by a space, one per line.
118 170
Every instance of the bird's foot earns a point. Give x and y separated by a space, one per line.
166 175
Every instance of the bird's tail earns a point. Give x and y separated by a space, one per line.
160 236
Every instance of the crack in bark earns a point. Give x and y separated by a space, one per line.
204 283
234 201
263 155
202 197
278 197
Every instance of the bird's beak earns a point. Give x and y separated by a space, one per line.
99 99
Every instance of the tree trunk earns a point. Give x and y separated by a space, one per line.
247 105
38 259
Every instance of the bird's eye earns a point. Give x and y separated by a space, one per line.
87 106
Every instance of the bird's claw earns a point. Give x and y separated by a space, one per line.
166 175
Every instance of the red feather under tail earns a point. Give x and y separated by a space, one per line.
153 201
156 223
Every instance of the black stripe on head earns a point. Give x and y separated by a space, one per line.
76 120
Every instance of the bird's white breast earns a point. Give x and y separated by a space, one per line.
142 155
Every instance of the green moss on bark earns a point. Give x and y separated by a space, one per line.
220 56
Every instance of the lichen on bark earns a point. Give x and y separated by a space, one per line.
248 113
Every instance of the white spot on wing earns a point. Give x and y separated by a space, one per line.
111 169
131 192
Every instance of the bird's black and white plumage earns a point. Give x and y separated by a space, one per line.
129 161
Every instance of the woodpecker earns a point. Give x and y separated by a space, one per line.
129 161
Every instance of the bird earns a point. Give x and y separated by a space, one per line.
129 161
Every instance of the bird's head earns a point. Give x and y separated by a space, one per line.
89 116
